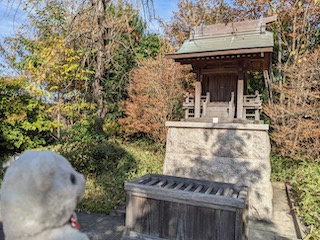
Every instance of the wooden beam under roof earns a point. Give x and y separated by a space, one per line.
219 53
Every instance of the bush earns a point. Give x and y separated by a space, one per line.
25 122
156 92
107 164
295 115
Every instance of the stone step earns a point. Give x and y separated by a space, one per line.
216 112
218 104
209 120
217 109
215 116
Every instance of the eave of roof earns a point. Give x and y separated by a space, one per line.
181 56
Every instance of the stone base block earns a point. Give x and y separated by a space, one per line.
232 154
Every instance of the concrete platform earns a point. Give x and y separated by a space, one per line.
282 227
102 227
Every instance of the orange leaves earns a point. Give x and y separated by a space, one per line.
155 93
295 118
194 13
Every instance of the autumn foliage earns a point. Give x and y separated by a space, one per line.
156 92
295 116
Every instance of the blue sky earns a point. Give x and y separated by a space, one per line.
165 7
11 16
163 10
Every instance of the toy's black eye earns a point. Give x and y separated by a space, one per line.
73 178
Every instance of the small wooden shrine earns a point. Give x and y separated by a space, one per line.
219 139
221 55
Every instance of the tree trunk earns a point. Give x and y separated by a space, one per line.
280 74
99 37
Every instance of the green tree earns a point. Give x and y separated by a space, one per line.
24 119
51 64
124 58
81 69
149 47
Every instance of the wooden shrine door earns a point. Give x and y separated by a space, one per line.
220 86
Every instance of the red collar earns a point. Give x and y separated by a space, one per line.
73 222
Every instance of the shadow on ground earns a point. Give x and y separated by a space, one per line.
96 226
99 226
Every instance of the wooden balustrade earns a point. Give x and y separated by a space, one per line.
252 105
188 105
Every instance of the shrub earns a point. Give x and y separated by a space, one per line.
105 190
295 116
24 119
156 92
106 164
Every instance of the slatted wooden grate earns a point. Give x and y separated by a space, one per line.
179 189
183 184
168 207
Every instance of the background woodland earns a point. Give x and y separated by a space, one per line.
88 79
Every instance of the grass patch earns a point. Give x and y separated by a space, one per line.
305 178
306 183
107 165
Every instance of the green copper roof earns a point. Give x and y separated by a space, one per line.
227 38
226 42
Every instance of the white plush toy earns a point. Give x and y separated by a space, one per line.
39 193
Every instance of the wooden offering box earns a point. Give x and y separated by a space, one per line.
167 207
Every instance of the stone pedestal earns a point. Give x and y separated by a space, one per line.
224 152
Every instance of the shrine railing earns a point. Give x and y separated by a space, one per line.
252 105
188 105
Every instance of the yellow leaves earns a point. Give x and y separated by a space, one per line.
42 75
35 90
16 117
53 88
56 65
71 67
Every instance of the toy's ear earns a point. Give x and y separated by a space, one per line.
44 173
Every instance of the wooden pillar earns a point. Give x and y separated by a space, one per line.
197 99
240 88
